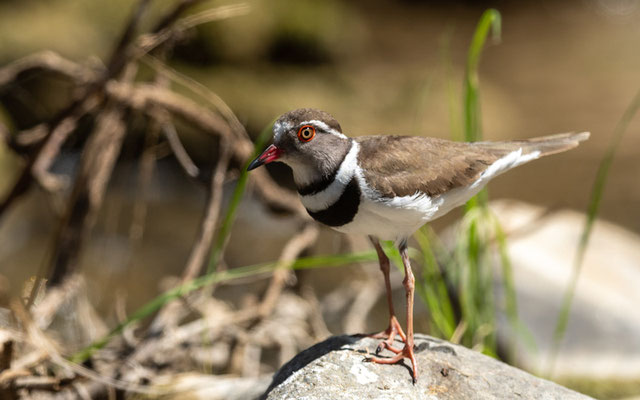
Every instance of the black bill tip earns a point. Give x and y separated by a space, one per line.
255 164
272 153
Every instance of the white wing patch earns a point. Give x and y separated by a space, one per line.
504 164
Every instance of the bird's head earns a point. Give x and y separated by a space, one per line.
310 141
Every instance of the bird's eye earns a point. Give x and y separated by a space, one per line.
306 133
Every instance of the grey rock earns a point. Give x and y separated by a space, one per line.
337 369
601 340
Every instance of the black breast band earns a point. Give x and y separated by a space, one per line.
317 186
343 210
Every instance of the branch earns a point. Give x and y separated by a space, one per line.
98 160
41 160
187 164
6 354
146 166
148 42
174 14
302 240
56 131
45 347
120 56
123 55
199 252
143 97
274 195
55 297
200 90
200 249
48 61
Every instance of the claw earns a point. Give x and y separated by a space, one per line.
406 352
386 345
388 336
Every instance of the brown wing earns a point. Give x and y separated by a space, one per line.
404 165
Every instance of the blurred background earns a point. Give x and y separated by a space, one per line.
379 67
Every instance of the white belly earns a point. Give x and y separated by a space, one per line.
400 217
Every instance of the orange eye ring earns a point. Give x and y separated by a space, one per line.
306 133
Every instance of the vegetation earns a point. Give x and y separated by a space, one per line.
465 284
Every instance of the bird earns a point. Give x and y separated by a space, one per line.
387 186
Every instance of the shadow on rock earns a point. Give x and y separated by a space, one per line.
308 356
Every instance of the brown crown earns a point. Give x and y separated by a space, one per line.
296 117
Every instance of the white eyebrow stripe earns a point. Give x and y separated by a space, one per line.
324 127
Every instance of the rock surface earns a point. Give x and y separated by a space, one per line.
336 369
601 341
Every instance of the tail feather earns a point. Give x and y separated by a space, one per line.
513 153
546 145
553 144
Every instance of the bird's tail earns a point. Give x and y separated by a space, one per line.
553 144
545 145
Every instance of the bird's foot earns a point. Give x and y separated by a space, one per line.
389 335
406 351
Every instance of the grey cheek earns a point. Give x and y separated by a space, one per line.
289 145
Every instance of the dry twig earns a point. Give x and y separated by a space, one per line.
47 61
143 97
48 350
187 164
44 312
149 42
202 245
96 166
303 240
170 313
206 94
108 95
7 354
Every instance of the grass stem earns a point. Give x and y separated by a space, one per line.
592 211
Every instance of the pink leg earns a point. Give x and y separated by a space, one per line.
394 326
407 350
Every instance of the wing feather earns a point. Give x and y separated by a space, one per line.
404 165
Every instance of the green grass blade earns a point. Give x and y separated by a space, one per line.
230 215
511 301
592 212
455 122
219 277
490 20
393 253
432 288
473 250
211 276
